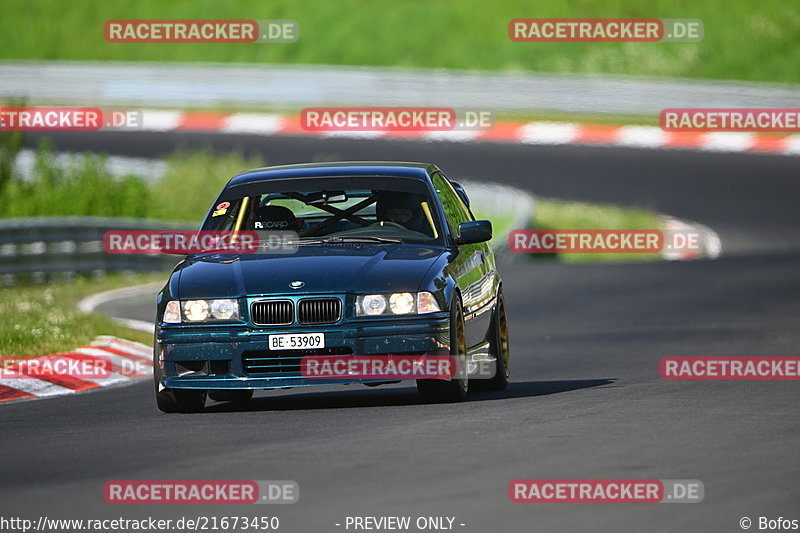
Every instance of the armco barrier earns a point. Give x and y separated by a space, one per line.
56 248
274 86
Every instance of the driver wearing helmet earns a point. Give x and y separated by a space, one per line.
402 208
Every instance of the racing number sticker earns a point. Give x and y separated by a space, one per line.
222 208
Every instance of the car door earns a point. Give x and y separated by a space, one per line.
472 269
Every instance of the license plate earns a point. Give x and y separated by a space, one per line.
296 341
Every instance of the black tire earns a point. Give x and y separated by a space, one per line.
456 389
176 400
499 347
181 400
230 395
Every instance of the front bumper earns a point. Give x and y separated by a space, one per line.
215 357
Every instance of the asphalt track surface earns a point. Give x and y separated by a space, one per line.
586 400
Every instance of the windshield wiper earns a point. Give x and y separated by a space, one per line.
336 239
366 238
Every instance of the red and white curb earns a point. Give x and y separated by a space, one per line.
129 361
536 133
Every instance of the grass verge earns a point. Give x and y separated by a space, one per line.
742 40
502 223
562 214
39 320
192 181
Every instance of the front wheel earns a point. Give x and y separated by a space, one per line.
176 400
499 347
181 400
456 389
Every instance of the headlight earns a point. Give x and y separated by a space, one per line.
401 303
202 310
225 309
195 310
371 304
398 303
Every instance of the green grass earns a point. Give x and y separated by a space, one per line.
502 223
84 186
562 214
39 320
193 180
743 39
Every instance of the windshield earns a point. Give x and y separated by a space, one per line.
372 209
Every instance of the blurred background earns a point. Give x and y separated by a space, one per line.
743 41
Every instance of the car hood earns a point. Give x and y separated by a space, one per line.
322 269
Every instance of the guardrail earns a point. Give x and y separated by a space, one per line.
41 249
204 85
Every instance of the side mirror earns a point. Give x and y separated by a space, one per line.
474 231
461 192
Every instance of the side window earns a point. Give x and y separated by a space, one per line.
454 209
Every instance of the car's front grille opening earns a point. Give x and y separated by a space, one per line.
319 310
272 312
219 367
284 361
